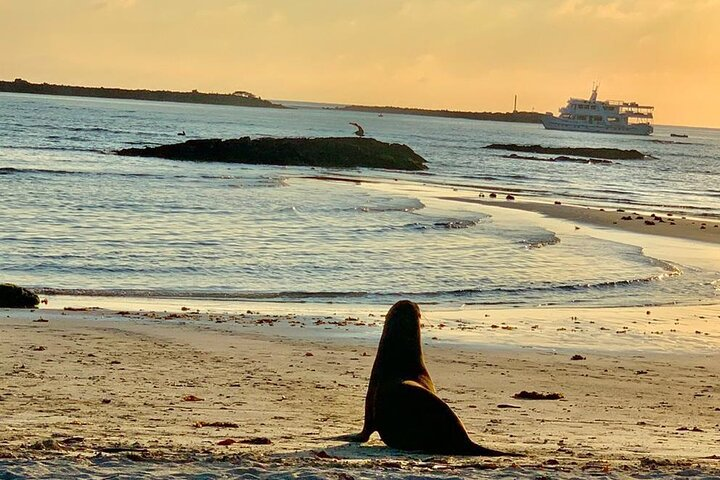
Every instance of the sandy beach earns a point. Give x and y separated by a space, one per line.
142 385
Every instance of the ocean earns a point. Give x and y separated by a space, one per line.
75 219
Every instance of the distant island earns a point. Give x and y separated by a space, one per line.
238 99
245 99
521 117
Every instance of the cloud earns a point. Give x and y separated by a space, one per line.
620 10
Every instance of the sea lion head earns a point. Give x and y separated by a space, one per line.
400 340
403 319
400 355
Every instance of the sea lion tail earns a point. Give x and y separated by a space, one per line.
475 449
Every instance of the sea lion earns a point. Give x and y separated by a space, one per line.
401 403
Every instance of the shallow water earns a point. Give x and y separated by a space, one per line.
76 220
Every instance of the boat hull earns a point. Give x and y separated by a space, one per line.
555 123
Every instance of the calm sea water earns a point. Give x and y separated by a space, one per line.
76 219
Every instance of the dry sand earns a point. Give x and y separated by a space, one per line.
117 384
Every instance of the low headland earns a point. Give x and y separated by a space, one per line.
238 98
517 117
331 152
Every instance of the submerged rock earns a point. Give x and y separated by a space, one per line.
333 152
609 153
12 296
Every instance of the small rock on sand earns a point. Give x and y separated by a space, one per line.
525 395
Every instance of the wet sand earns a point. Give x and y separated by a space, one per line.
651 223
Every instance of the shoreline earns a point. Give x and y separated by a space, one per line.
670 226
99 382
609 217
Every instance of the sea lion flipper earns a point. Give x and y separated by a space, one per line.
361 437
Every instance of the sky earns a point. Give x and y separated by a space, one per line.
455 54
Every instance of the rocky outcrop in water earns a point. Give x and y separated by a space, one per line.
343 152
608 153
12 296
561 158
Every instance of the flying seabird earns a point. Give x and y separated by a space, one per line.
359 132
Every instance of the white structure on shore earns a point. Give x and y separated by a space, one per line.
601 116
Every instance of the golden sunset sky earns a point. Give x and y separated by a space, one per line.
456 54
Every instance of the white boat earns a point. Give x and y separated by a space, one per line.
601 116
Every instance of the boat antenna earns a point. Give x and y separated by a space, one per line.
593 97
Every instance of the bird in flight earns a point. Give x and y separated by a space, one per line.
359 132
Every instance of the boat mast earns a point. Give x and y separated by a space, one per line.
593 96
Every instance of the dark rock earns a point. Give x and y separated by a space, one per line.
509 197
12 296
608 153
455 224
257 441
561 158
335 152
47 444
493 195
526 395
